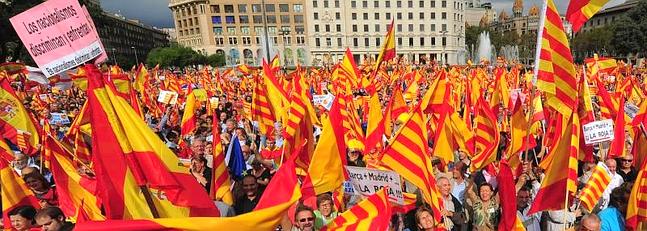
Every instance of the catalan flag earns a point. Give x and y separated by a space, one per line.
486 139
16 124
555 70
373 213
407 154
141 77
262 111
13 192
220 185
266 218
280 98
598 182
129 156
348 72
637 204
394 108
501 94
601 64
561 174
579 11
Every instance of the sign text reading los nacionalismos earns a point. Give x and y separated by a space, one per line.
56 41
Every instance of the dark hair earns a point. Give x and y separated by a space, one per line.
323 197
51 212
420 210
200 158
36 175
618 197
26 211
301 208
484 184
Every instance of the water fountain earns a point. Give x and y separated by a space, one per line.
485 48
510 53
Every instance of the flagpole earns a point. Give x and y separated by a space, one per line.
149 200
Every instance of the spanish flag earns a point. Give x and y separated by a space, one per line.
579 11
188 125
373 213
130 159
267 216
375 127
16 124
13 192
388 49
141 77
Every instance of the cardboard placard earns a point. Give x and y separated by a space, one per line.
368 181
167 97
598 131
59 118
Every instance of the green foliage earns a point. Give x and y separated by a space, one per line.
630 32
585 44
216 60
175 56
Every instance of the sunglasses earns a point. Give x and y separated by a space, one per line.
307 219
625 160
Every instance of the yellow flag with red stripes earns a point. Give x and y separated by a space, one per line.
373 213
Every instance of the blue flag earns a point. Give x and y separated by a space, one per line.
235 159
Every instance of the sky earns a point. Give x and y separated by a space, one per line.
156 12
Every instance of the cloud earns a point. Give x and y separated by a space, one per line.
150 12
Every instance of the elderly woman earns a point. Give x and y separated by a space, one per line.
425 219
325 212
485 207
41 188
22 218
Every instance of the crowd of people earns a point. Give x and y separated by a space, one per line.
471 199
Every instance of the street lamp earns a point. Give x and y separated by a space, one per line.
114 55
267 36
444 43
136 59
285 31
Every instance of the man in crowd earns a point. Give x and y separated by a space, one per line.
626 169
616 180
53 219
248 201
531 222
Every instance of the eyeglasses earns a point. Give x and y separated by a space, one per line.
625 160
306 219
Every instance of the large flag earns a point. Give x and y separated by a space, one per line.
375 125
141 76
598 182
262 111
220 181
188 124
486 138
388 49
617 146
407 154
13 192
637 204
16 124
561 174
579 11
327 173
76 193
266 218
279 100
373 213
235 159
129 158
507 191
554 67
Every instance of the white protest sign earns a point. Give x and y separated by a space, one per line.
598 131
59 118
167 97
631 110
323 100
368 181
57 35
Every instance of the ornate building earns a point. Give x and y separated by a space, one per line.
519 22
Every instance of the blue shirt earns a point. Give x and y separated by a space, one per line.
611 220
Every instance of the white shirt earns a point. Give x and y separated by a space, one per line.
616 180
530 222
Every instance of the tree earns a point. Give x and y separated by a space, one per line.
216 60
630 32
11 48
175 56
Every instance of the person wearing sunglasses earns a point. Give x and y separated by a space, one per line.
304 219
626 169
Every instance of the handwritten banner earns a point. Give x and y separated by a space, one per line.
598 131
57 35
366 182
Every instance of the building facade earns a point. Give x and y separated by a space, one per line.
607 16
128 41
424 29
519 22
236 29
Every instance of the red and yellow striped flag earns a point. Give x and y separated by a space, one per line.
262 111
141 77
486 138
266 218
373 213
561 174
601 65
579 11
407 155
13 192
388 49
375 127
188 124
598 182
555 70
128 156
16 124
220 184
637 204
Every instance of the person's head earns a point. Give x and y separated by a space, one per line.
27 170
626 161
620 196
198 163
223 115
611 164
242 135
22 217
444 186
250 186
523 198
589 222
230 124
197 146
50 219
325 204
246 151
590 165
485 192
36 182
304 217
458 173
269 143
425 219
208 148
20 160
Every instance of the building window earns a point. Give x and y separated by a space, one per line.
421 4
327 28
257 19
271 30
256 8
299 29
444 27
338 28
443 15
247 40
355 42
214 20
399 16
354 28
328 42
271 19
285 18
433 41
377 16
243 19
298 19
217 30
388 16
229 8
443 4
433 15
410 16
400 41
220 41
353 16
231 30
410 4
399 27
411 42
377 27
325 3
233 41
338 16
314 4
244 30
353 4
422 15
376 4
433 27
422 27
298 8
377 42
315 16
410 27
283 8
316 28
422 41
444 41
365 28
365 16
433 3
339 42
336 3
366 42
242 8
364 4
270 8
215 9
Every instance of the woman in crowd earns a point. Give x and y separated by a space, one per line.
325 212
41 189
425 219
485 207
22 218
